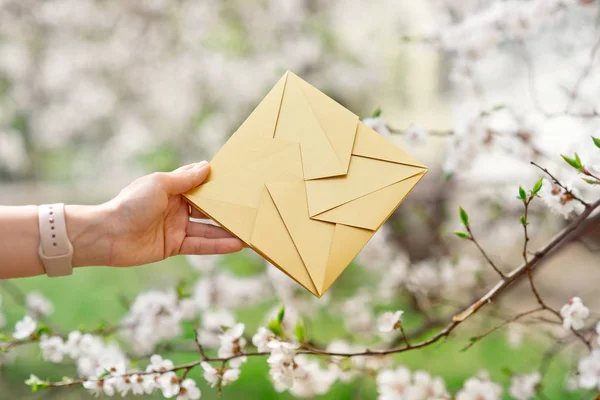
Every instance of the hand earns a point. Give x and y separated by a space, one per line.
149 221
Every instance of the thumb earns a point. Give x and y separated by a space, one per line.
186 178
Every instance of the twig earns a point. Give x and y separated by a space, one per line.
430 132
483 252
525 223
200 348
404 337
477 338
557 182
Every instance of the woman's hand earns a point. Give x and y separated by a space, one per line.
147 222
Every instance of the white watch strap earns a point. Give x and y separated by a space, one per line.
56 251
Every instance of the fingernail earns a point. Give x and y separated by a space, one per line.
201 165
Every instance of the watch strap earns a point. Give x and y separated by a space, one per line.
55 251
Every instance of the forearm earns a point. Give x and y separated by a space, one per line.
87 228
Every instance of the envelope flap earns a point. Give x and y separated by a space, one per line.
298 123
312 238
271 238
262 121
371 144
371 211
365 176
235 218
338 122
347 242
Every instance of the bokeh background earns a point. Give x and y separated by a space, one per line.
96 93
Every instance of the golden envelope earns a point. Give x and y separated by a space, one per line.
305 184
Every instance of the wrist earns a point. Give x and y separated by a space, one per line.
89 233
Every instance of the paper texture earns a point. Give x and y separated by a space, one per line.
305 184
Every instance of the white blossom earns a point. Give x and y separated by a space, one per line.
515 335
310 379
204 263
402 384
93 356
168 383
393 384
393 277
378 252
188 390
25 328
358 314
339 363
53 348
211 374
524 387
213 322
415 135
214 375
574 314
425 386
423 277
154 316
158 364
589 370
188 308
37 305
232 344
72 346
479 388
459 276
100 386
377 124
388 321
262 338
224 290
142 384
559 200
281 363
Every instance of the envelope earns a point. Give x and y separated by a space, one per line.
305 183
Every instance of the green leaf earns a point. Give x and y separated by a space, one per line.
522 194
578 160
281 314
36 383
462 235
591 181
4 338
275 327
43 328
464 217
376 113
538 186
498 107
183 290
573 162
507 371
523 220
300 332
104 373
596 141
